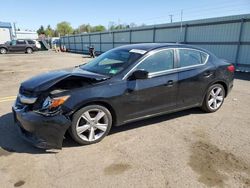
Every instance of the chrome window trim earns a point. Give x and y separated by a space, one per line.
148 55
159 73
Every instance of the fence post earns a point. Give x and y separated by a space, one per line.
75 43
113 39
81 42
185 34
154 34
130 36
89 40
100 42
68 42
239 42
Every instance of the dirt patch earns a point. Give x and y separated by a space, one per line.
19 183
115 169
4 152
214 164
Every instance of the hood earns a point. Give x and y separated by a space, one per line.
45 81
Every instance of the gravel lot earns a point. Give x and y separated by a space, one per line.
184 149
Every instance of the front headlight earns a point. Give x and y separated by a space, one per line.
53 103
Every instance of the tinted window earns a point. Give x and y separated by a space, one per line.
163 60
191 57
13 42
31 42
21 42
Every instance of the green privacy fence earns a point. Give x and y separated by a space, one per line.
227 37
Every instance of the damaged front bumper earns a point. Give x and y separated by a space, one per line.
42 131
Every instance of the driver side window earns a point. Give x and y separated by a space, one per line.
160 61
13 42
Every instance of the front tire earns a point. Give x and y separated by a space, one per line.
3 51
214 98
91 124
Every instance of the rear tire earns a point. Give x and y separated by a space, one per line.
90 124
3 51
214 98
29 51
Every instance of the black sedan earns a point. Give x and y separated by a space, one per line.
125 84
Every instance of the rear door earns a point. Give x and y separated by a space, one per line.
195 72
156 93
21 45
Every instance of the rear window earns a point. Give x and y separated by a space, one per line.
31 42
21 42
188 57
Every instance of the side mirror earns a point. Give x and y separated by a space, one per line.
139 74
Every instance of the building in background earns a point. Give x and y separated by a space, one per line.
26 35
5 32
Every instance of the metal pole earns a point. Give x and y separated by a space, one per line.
113 39
68 41
239 42
185 33
81 42
75 43
154 34
100 43
130 36
89 40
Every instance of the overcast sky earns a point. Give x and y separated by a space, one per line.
30 14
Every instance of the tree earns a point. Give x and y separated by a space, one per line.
64 28
41 30
49 31
84 28
98 28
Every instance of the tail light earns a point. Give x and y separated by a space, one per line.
231 68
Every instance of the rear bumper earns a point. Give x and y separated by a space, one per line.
41 131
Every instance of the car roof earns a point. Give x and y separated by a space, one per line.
152 46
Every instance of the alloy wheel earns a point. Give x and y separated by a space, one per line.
3 51
216 97
92 125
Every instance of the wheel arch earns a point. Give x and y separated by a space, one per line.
4 48
224 86
28 47
101 103
221 82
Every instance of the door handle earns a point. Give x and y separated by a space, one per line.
169 83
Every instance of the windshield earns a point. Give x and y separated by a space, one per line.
112 62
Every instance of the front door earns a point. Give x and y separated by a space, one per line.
155 94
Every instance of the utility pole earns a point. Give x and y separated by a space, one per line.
171 18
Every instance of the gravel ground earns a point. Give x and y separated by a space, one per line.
184 149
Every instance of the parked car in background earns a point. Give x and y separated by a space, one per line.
125 84
27 46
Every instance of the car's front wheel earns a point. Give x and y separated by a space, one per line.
29 50
3 51
214 98
91 124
